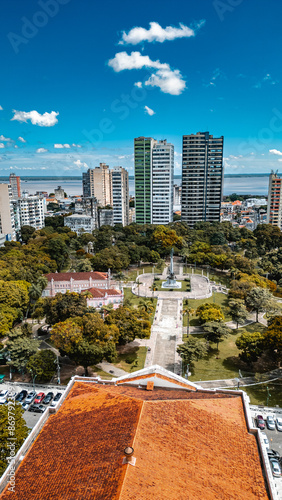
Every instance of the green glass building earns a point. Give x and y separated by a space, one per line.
143 159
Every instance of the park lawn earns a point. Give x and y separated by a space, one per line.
132 360
132 273
101 373
217 298
218 366
136 300
184 284
218 277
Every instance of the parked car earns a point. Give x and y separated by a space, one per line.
260 422
270 423
3 397
37 408
48 398
25 406
265 439
30 397
275 466
56 399
279 424
21 396
39 398
273 454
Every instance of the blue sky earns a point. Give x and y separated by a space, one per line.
209 65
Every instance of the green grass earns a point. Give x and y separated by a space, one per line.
101 373
132 273
135 300
258 393
184 284
132 360
216 276
217 298
222 365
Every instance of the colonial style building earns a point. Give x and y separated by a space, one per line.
102 298
76 282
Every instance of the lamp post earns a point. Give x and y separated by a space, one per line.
58 370
268 395
33 379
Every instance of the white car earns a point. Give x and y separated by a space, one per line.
270 422
265 440
3 397
279 424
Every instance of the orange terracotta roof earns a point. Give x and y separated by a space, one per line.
237 202
185 448
158 375
76 276
98 292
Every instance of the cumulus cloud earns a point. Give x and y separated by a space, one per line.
138 84
45 120
1 109
275 152
149 111
61 146
80 164
2 145
158 34
169 81
41 150
21 139
4 139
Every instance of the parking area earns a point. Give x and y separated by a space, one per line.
32 417
274 436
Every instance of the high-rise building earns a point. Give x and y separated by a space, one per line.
97 182
120 195
15 182
154 167
202 178
30 210
274 203
59 193
7 223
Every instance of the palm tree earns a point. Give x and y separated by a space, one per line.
146 305
187 310
105 310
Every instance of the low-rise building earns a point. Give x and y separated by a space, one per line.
80 222
76 282
105 298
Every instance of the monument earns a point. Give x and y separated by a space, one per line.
171 279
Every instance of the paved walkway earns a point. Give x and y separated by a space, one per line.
243 381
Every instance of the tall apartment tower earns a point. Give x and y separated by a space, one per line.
274 202
97 182
120 189
202 178
29 210
15 183
154 168
7 223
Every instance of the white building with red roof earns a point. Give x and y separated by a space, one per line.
76 282
104 297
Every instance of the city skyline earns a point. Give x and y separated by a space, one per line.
152 75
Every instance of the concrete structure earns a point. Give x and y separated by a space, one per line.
15 182
105 217
7 221
80 222
202 178
59 193
131 215
154 168
120 189
29 210
97 182
274 203
102 298
76 282
177 190
2 239
146 435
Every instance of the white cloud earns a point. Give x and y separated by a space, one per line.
76 145
1 109
61 146
158 34
149 111
21 139
275 152
80 164
45 120
267 78
2 138
15 146
169 81
41 150
138 84
2 145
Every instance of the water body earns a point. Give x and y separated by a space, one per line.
253 184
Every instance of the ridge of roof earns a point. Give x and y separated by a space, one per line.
76 276
157 371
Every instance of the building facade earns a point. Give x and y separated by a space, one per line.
7 221
102 298
97 182
59 193
80 223
76 282
15 182
120 191
105 217
202 178
154 169
30 211
274 204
